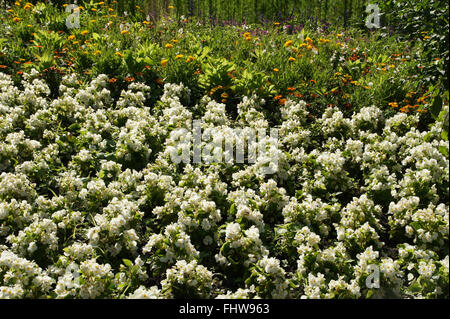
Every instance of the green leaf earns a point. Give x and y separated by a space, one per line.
233 209
127 262
436 107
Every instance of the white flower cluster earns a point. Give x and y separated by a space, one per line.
92 206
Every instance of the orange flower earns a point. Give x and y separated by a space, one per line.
129 79
277 97
112 80
3 66
288 44
313 81
16 19
124 32
291 89
291 59
84 32
179 56
282 101
393 104
168 46
276 70
159 81
71 37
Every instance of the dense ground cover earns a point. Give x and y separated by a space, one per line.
91 204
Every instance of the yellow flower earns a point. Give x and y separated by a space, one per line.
84 32
119 54
179 56
174 40
190 58
426 37
93 9
16 19
164 62
93 21
291 59
27 6
97 52
224 95
276 70
288 44
124 32
171 7
276 23
247 34
168 46
71 37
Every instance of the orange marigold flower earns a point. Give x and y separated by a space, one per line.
291 89
112 80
